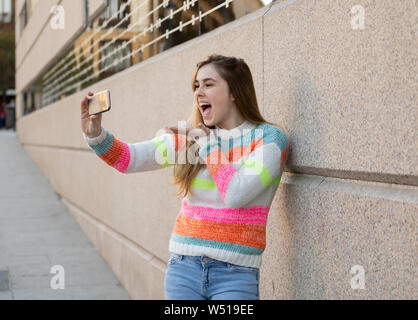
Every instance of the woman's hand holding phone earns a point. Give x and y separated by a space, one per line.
200 131
91 125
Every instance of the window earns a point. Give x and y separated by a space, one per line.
6 11
23 18
27 10
115 57
112 8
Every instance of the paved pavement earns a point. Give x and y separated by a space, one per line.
37 233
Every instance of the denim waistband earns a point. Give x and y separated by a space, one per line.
200 259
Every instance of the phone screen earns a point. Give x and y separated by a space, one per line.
100 102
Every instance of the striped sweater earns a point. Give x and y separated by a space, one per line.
226 216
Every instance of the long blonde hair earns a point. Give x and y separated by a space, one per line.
238 76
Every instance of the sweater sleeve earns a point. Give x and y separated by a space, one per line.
159 152
260 162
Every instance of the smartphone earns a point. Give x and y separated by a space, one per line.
99 103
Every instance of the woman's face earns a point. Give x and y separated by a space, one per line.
212 89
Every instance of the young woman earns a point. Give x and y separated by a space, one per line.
219 234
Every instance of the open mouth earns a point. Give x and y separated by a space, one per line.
206 109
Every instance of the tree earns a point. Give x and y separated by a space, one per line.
7 60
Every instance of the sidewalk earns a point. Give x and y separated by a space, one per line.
37 232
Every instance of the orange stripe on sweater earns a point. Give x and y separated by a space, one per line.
179 141
217 159
235 153
248 235
113 154
283 158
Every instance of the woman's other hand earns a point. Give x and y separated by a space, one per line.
192 133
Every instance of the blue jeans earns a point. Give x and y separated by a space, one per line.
203 278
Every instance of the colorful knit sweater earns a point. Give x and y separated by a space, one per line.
226 216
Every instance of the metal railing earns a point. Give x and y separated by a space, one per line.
135 31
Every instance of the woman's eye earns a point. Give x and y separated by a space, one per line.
208 85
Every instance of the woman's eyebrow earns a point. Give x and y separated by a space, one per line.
206 79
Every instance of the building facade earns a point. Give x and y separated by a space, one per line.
337 76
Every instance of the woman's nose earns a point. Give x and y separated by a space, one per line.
198 92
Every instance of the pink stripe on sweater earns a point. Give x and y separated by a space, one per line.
253 215
123 162
222 179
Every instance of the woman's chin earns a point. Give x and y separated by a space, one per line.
207 122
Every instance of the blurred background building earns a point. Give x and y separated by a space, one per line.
7 64
336 75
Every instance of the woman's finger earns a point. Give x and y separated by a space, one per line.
204 128
172 129
176 129
84 104
198 132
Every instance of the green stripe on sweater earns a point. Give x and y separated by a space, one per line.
260 169
206 184
162 149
